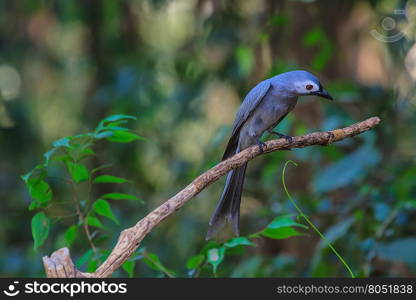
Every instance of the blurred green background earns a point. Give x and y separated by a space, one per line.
183 67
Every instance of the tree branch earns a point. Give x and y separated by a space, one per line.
59 264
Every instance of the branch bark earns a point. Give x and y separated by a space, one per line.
59 264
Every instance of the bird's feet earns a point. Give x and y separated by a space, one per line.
288 138
261 145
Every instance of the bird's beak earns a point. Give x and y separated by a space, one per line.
324 94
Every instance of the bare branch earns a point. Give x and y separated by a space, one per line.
60 263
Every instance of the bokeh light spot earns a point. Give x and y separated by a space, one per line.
9 82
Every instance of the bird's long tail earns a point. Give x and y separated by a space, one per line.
228 207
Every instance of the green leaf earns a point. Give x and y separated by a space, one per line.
92 266
103 135
84 258
78 171
119 196
95 170
64 142
70 234
63 158
40 229
85 153
215 256
124 137
93 221
112 127
115 124
82 136
280 233
28 175
110 179
104 254
153 261
102 207
33 205
195 261
49 154
284 221
118 117
281 228
101 238
238 241
128 266
40 191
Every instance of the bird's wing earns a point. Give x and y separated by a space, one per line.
251 101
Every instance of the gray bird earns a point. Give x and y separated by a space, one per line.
263 108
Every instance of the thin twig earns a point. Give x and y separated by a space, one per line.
82 217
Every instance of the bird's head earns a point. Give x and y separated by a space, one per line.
303 83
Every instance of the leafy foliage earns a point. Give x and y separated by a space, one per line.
281 227
68 152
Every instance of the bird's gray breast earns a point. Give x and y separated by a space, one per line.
268 113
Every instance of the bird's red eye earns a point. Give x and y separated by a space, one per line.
309 87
